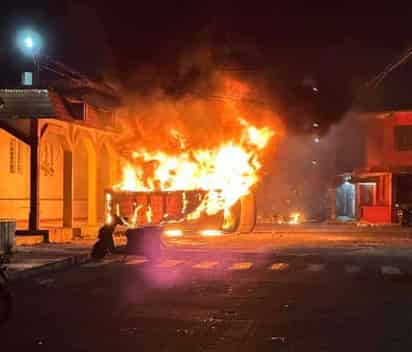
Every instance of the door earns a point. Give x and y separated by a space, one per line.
345 200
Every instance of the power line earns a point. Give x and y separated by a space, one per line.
377 80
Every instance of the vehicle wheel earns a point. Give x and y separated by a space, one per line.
5 305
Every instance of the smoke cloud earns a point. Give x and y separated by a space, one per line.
202 102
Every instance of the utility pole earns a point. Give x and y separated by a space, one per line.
34 175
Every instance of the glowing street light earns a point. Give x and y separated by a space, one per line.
29 42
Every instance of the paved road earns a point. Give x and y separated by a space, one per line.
197 301
383 244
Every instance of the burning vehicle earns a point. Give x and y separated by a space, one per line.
193 164
208 191
174 209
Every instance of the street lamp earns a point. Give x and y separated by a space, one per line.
30 43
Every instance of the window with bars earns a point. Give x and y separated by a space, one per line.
15 157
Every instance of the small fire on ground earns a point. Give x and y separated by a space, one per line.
295 218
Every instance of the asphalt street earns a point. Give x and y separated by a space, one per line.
206 301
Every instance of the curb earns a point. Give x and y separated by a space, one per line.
333 229
379 234
50 267
28 240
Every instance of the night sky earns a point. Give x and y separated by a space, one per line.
340 46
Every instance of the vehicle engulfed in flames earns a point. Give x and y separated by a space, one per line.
173 209
184 184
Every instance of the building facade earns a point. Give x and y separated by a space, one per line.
382 182
57 146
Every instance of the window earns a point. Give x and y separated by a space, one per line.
403 189
27 78
107 118
403 138
367 193
15 157
79 110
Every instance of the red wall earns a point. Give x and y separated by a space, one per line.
380 142
376 214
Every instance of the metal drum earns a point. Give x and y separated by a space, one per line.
145 241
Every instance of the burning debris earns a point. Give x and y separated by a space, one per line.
295 218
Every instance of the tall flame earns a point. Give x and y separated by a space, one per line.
226 172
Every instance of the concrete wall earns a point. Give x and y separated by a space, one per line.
14 186
80 181
51 178
76 165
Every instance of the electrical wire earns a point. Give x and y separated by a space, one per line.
377 80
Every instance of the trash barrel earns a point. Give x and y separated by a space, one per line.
145 241
7 235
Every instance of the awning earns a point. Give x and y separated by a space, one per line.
26 103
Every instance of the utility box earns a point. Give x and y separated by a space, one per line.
145 241
7 235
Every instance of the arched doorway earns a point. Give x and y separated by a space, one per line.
84 182
55 191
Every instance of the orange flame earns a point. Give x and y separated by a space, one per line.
226 172
295 218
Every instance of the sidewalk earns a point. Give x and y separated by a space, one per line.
29 260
